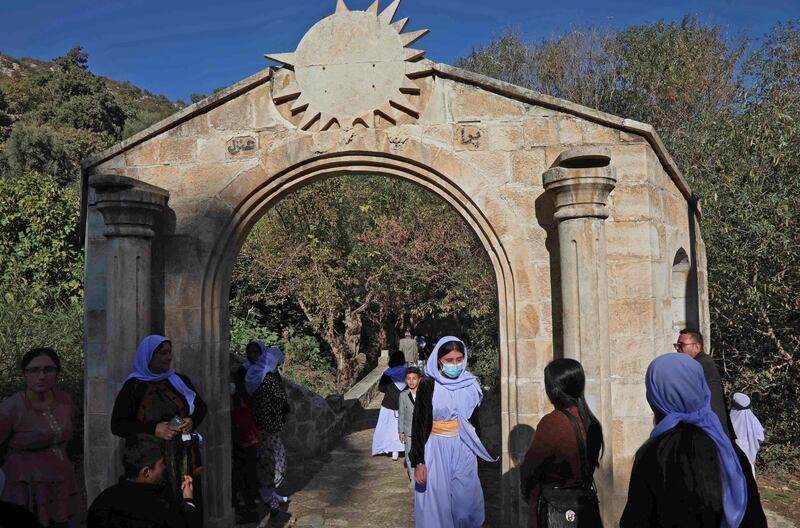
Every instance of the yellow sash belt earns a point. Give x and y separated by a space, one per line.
445 428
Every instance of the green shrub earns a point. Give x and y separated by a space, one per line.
247 329
26 324
484 352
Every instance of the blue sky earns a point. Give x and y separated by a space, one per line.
177 47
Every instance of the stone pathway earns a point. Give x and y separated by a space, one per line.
350 488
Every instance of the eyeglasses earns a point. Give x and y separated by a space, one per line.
35 371
678 346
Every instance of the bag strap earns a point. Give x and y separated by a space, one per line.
586 476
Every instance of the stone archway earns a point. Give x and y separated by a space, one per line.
573 206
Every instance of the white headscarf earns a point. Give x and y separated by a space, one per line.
749 432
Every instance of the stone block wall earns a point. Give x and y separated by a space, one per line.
316 424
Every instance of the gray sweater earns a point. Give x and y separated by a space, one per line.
406 414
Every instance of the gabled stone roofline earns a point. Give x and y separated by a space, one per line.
446 71
513 91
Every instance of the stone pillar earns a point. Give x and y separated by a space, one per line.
130 210
581 183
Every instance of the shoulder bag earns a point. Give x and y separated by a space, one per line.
571 507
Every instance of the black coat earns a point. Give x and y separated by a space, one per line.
676 482
714 381
422 422
391 394
123 417
135 505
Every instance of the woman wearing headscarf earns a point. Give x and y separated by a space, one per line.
445 444
554 458
270 405
689 473
36 424
748 430
385 438
156 400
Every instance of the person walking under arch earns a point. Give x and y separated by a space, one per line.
157 401
445 445
37 423
405 418
557 458
392 382
270 406
689 473
410 349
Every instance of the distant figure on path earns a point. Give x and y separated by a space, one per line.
37 424
554 458
408 346
689 473
406 414
393 381
748 430
690 342
270 405
155 400
445 445
137 501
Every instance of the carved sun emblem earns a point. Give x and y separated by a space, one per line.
352 66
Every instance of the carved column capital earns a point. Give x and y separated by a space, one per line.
580 192
130 208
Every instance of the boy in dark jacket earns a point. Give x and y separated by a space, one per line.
137 501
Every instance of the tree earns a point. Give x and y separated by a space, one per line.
65 114
354 248
39 237
734 136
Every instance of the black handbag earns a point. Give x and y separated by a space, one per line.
571 507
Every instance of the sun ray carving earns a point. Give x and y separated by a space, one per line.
352 67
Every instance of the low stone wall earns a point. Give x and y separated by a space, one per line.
315 424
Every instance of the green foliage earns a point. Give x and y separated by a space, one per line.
735 138
308 366
484 352
25 323
39 239
64 113
37 149
5 118
247 329
364 246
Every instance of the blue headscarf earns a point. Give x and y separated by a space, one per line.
677 388
469 397
267 362
141 368
397 375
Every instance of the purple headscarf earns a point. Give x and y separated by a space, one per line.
141 368
469 397
267 362
677 388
